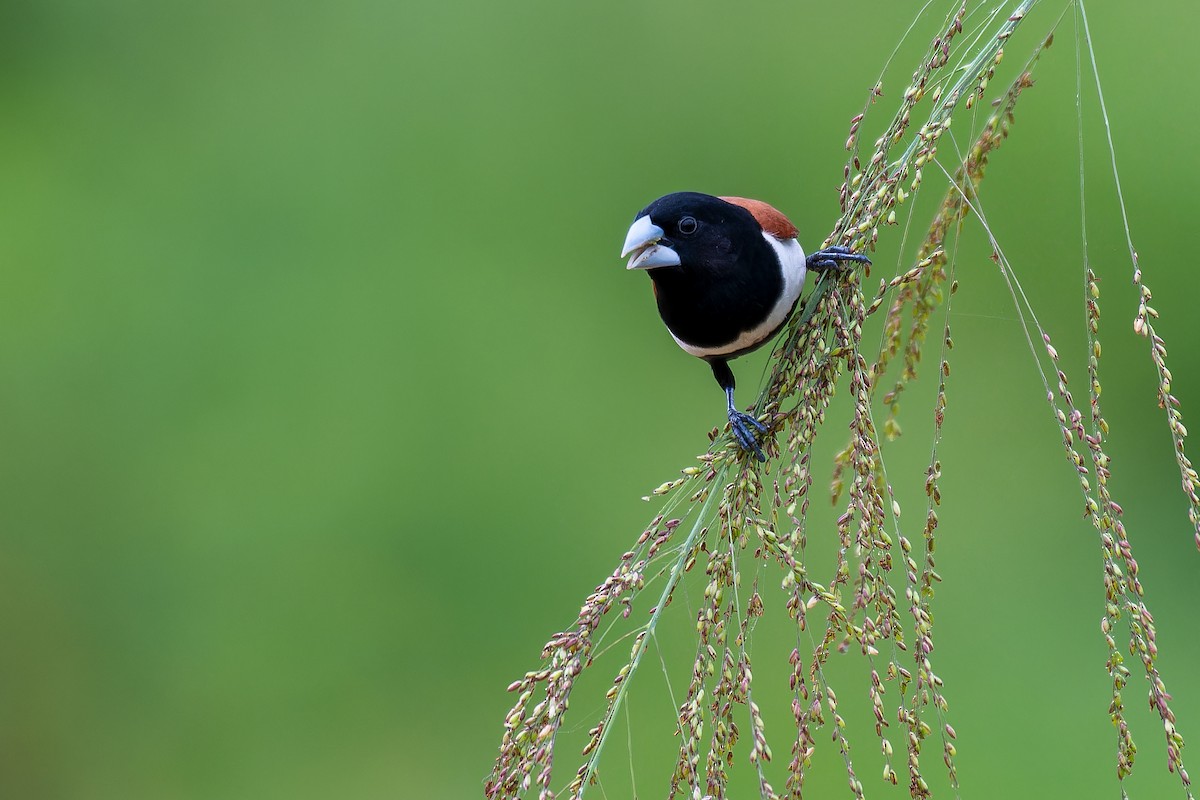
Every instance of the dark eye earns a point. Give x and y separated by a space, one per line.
688 225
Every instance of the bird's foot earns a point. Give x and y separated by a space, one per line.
743 426
833 257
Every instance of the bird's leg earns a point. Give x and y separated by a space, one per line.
739 422
832 258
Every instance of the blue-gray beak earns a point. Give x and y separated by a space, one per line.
642 242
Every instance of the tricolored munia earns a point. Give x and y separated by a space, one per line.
727 274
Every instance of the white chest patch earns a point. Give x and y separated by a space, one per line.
791 258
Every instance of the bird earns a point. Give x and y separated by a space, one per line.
727 273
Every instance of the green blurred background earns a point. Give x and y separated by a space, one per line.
326 398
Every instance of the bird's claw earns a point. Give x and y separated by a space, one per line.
740 423
833 257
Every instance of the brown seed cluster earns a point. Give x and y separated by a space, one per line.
1143 326
1141 624
527 749
1122 585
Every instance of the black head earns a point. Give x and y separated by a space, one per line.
690 230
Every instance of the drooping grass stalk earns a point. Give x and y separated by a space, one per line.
1142 324
1123 589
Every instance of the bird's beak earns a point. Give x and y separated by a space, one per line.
643 242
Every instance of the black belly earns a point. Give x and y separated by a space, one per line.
713 307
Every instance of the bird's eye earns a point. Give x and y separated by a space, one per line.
688 225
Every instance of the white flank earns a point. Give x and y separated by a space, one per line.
791 258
